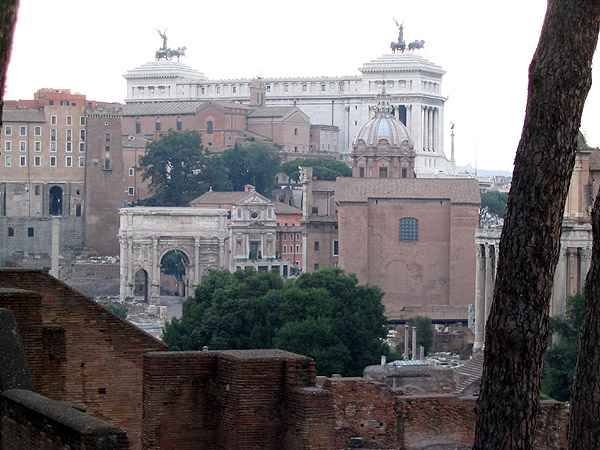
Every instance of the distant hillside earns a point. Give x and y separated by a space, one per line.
484 172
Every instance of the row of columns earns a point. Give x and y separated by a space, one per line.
407 353
569 278
430 127
485 276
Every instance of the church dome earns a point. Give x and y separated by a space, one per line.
384 131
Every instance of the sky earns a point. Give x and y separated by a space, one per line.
484 47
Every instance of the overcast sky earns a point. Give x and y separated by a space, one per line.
485 48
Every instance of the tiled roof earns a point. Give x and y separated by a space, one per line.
158 108
23 115
594 158
220 197
273 111
282 208
324 185
464 190
134 142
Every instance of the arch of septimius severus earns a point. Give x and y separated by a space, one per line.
147 234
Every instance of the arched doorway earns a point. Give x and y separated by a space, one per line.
55 201
141 285
174 268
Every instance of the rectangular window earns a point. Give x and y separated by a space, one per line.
8 146
209 127
82 120
23 131
131 171
322 88
69 120
69 161
8 130
130 190
315 210
297 249
37 161
37 146
64 103
107 137
53 120
179 125
37 131
285 249
30 232
342 87
218 89
82 147
107 164
234 88
82 135
82 161
69 147
285 237
157 125
383 172
22 146
22 161
316 267
335 248
409 229
303 88
53 134
295 131
11 231
285 88
7 161
53 146
37 189
53 161
297 236
317 246
69 135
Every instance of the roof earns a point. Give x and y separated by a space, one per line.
324 185
134 141
158 108
277 111
23 115
594 158
219 197
462 190
282 208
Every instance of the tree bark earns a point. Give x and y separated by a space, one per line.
517 327
8 18
584 427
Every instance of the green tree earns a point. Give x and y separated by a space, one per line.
561 357
256 164
424 331
173 164
493 207
326 315
323 169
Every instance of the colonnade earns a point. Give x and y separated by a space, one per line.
431 117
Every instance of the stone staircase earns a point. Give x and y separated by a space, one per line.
468 376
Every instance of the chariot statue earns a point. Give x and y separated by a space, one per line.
168 53
401 46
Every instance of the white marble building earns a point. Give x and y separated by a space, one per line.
414 85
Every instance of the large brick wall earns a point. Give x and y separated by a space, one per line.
29 421
251 399
94 354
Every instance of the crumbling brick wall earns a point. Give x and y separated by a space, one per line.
94 354
364 409
29 421
251 399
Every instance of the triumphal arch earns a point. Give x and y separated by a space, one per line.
147 234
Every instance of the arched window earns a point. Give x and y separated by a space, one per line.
157 124
409 229
209 127
55 201
138 126
179 124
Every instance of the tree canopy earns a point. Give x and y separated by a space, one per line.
323 169
173 165
424 331
180 169
561 357
325 314
493 207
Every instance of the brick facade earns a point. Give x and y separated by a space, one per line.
100 362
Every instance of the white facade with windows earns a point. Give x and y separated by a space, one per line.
413 83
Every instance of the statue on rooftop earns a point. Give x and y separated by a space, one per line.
401 45
167 53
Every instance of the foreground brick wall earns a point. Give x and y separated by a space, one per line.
365 409
250 399
29 421
426 421
100 362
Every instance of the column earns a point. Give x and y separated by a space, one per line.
489 278
406 339
155 289
559 297
414 343
130 276
196 260
479 299
123 268
54 270
586 256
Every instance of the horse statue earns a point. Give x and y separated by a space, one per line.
400 46
179 52
416 45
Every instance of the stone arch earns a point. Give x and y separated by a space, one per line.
140 290
181 275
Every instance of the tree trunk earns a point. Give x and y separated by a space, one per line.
8 17
584 428
517 327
